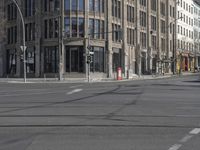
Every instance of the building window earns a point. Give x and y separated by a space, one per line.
143 18
74 5
11 12
130 36
91 5
143 40
67 26
81 27
102 30
162 26
74 27
97 64
162 8
12 35
51 28
116 35
153 23
45 29
154 5
153 42
30 55
163 44
67 5
143 2
130 14
51 5
96 6
116 8
81 5
91 28
29 8
30 31
96 28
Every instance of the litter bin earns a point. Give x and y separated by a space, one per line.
119 73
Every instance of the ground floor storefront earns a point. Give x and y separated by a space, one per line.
185 62
44 61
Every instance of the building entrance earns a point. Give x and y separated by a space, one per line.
74 59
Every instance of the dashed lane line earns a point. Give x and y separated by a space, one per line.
195 131
186 138
175 147
76 86
74 91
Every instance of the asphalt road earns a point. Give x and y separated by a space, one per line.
135 115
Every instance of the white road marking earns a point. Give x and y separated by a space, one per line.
28 94
186 138
175 147
74 91
195 131
76 86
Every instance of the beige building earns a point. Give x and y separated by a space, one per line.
136 35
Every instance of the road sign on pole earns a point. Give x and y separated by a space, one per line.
23 48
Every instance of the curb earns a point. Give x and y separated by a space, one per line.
84 80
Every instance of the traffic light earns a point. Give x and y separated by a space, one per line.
89 59
21 57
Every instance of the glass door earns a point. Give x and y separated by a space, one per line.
74 55
74 59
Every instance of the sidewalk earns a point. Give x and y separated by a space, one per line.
169 75
85 80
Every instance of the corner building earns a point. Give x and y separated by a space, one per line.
59 33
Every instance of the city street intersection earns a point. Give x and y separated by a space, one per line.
161 114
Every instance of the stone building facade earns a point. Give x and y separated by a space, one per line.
136 35
2 36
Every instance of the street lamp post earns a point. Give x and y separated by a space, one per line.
174 49
195 54
23 47
174 43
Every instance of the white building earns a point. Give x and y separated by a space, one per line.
185 35
196 34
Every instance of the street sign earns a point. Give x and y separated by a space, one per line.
23 48
89 47
91 53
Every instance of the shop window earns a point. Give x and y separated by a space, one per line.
117 62
11 61
30 56
97 64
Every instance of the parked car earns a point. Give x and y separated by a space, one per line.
197 68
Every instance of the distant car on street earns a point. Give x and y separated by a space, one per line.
197 68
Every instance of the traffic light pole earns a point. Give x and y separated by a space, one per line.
88 54
174 51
